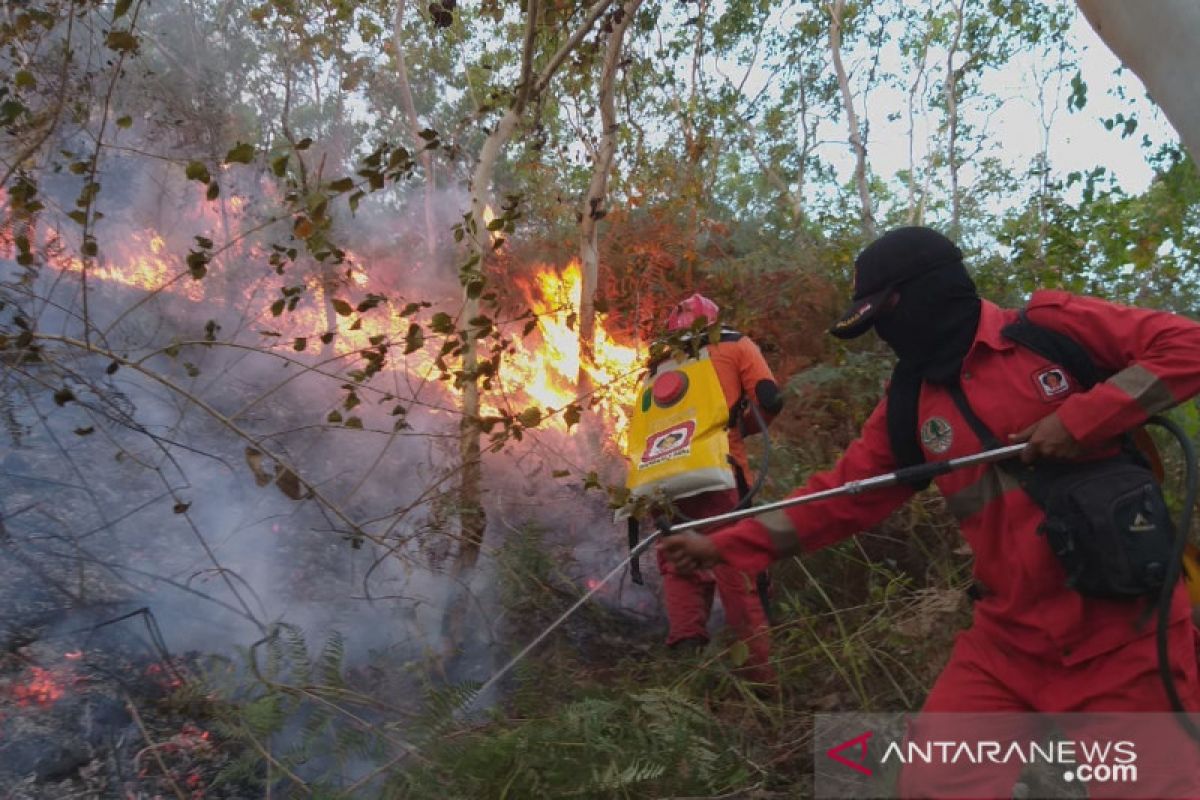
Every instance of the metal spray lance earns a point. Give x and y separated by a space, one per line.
919 472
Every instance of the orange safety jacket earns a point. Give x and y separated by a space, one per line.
1155 358
743 372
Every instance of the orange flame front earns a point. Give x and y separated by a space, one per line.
542 370
547 373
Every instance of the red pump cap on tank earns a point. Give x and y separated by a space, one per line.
669 388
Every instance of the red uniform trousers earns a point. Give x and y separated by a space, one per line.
689 597
986 676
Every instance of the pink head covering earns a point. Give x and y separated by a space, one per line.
687 311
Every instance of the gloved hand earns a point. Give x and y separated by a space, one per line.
689 551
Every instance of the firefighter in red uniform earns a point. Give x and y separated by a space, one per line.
1035 644
745 378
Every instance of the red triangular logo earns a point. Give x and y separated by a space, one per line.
857 765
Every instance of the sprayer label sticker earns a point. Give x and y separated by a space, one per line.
1052 382
674 442
937 435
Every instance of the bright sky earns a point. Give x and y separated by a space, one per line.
1077 140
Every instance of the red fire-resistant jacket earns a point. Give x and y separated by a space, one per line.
1156 360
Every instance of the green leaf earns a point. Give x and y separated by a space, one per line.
572 415
414 340
88 431
371 301
125 121
442 323
181 507
342 185
343 308
279 166
121 41
196 171
530 417
354 422
241 153
300 343
197 263
121 8
334 417
277 307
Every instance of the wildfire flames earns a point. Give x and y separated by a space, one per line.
548 374
543 369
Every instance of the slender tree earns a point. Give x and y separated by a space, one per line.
595 205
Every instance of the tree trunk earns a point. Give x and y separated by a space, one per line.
414 124
595 205
916 194
952 124
1158 42
473 522
856 141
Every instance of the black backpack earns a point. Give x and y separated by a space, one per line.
1107 521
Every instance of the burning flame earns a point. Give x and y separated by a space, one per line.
547 373
543 369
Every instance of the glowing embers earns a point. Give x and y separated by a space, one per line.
38 686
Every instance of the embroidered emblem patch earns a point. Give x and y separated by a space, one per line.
1052 381
937 435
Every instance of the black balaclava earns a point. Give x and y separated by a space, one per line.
931 329
933 324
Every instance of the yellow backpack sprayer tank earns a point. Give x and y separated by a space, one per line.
678 443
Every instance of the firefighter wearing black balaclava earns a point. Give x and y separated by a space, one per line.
1050 633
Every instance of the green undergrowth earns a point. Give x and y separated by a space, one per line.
604 710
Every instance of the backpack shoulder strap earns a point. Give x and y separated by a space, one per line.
1056 347
904 392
